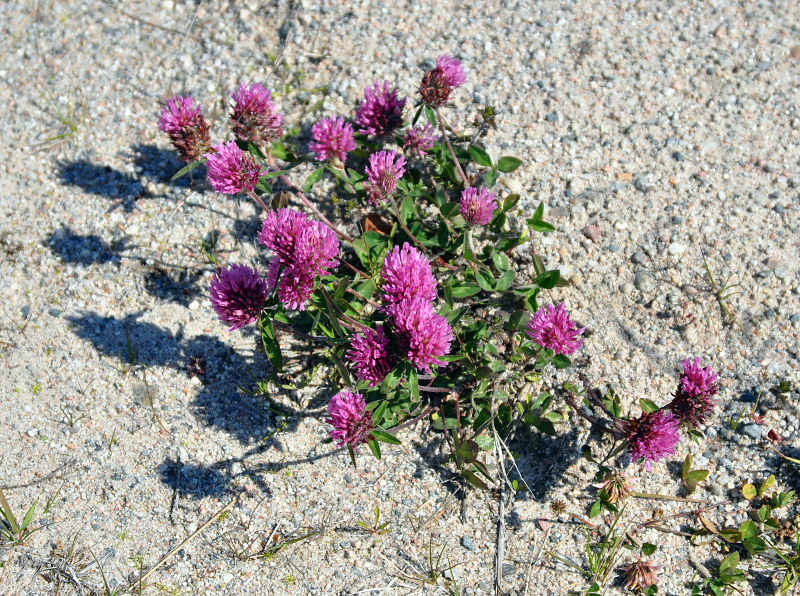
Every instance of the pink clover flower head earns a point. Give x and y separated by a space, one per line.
451 69
641 574
369 353
381 112
237 295
653 436
697 380
383 173
351 421
423 335
438 83
477 205
253 117
280 230
418 139
552 327
333 139
406 274
231 170
694 399
295 287
316 249
183 121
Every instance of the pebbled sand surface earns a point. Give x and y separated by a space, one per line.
654 132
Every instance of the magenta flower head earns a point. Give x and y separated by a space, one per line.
438 83
423 336
641 574
406 273
254 117
477 205
552 328
383 173
237 295
369 353
316 249
351 421
418 139
231 170
381 111
652 436
694 399
333 138
183 121
280 231
295 287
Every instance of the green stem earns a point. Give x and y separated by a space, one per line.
450 147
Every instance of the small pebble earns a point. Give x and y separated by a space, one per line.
592 233
676 248
644 283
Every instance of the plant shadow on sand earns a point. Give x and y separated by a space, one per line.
219 402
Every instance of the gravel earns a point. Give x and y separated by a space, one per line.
104 284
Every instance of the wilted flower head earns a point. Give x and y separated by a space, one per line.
381 111
333 138
423 336
641 574
369 353
406 273
351 421
383 173
418 139
438 83
183 121
254 117
231 170
693 400
477 205
618 486
237 295
652 436
552 328
280 231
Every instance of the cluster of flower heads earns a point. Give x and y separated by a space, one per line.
303 250
253 119
381 112
183 121
654 435
478 205
552 328
420 334
383 173
694 398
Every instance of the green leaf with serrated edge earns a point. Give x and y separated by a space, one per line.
490 178
485 442
748 529
548 279
474 480
375 447
500 261
480 156
754 545
648 549
505 281
270 341
377 415
383 436
560 361
729 563
508 164
647 405
312 179
597 507
464 290
510 202
541 226
186 169
485 280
